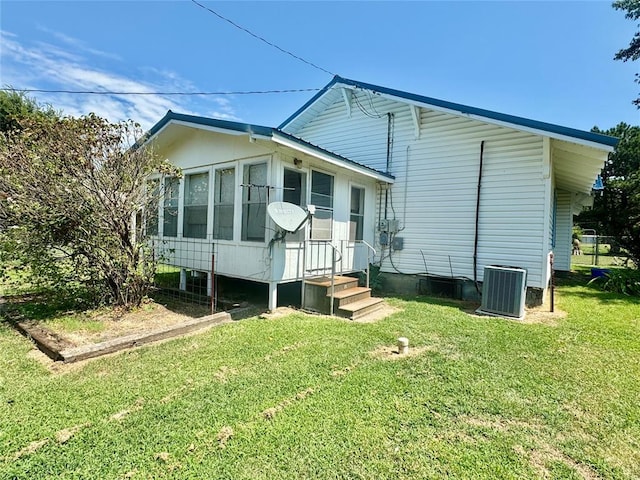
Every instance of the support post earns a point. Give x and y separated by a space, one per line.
183 279
273 296
333 276
304 258
212 283
552 282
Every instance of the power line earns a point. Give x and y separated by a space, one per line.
262 39
108 92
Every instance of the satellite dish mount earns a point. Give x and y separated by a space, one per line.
288 216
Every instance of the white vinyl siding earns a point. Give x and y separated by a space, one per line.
437 208
564 227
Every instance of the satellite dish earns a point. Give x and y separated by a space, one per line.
287 216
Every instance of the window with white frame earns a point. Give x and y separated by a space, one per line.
196 201
223 202
322 198
170 210
254 202
151 210
356 219
295 191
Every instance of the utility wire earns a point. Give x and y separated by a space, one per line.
262 39
107 92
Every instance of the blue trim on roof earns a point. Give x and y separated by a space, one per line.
250 128
465 109
340 158
312 101
210 122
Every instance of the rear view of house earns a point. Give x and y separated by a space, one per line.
430 190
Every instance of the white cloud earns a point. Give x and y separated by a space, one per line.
78 44
43 65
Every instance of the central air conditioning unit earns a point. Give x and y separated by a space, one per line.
504 291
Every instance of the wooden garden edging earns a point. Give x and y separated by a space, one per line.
58 349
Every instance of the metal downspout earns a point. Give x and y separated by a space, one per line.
477 223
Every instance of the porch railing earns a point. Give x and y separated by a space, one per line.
323 257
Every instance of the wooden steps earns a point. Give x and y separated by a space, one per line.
349 300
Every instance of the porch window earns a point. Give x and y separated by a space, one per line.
322 198
356 220
171 192
295 187
196 201
151 211
254 202
224 194
295 191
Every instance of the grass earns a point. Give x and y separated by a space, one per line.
605 257
314 397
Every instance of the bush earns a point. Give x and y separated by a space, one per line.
622 280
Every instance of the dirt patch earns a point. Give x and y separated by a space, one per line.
224 435
271 412
127 411
386 352
533 315
543 315
117 324
64 435
223 373
539 458
343 371
73 336
383 312
500 424
278 313
31 448
187 386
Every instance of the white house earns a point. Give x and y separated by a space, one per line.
214 218
437 189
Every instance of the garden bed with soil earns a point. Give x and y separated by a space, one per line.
73 336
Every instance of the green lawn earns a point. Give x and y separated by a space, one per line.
305 397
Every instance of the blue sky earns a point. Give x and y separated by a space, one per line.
549 61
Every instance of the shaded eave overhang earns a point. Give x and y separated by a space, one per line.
264 133
559 132
295 143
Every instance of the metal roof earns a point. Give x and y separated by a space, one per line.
334 157
516 122
272 133
209 122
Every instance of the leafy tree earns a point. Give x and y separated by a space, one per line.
16 106
70 189
617 211
632 52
